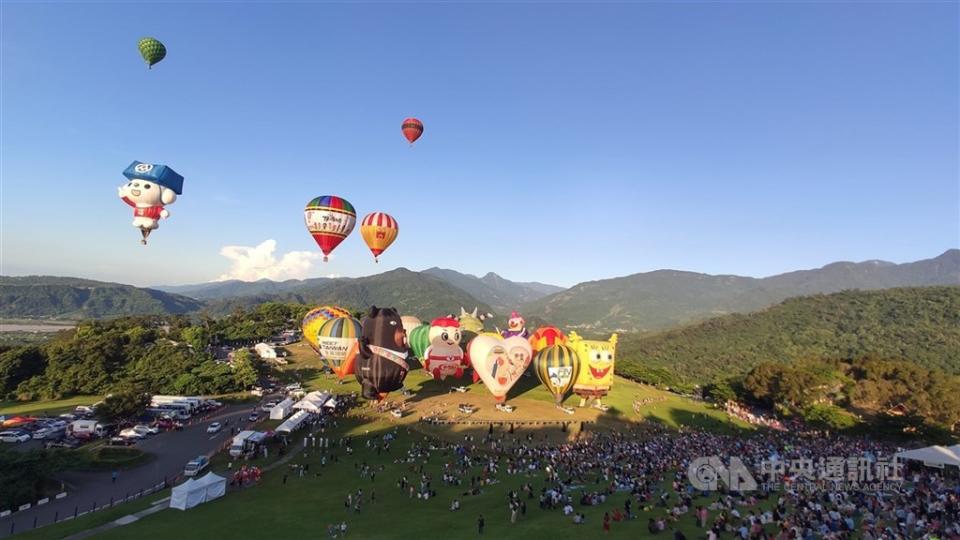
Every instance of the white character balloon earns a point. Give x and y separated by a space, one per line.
150 188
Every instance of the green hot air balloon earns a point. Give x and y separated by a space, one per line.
419 340
152 50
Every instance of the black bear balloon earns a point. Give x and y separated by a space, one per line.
382 359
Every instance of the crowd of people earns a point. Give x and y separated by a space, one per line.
646 468
753 416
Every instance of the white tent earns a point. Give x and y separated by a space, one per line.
215 486
281 410
313 402
933 456
294 422
198 491
187 495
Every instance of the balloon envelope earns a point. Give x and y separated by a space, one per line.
419 339
412 129
546 336
557 368
598 359
314 319
379 230
381 361
335 339
329 219
151 50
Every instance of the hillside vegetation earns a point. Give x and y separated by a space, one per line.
71 298
920 325
668 298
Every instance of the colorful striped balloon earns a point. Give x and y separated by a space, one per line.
557 368
315 318
379 230
329 219
335 339
546 336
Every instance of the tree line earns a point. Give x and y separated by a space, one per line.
157 354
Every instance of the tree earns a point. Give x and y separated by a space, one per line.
197 337
122 405
18 365
721 391
244 372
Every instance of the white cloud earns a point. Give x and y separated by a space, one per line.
253 263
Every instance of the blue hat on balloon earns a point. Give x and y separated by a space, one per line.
160 174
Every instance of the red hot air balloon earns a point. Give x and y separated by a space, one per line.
412 129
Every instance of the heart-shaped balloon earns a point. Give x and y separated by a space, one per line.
500 362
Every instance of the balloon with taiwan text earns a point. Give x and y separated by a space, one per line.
314 319
335 340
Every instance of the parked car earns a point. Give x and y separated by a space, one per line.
196 465
42 433
121 441
67 442
146 430
131 433
14 436
266 407
214 427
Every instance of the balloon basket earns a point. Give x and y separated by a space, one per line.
325 259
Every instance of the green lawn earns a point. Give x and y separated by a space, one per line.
52 406
304 507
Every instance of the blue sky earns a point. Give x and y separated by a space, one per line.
563 142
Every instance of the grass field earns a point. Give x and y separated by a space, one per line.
52 406
304 507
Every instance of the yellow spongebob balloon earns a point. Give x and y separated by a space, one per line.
596 372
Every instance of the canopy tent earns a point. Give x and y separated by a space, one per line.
187 495
933 456
281 410
313 402
294 422
331 403
198 491
215 485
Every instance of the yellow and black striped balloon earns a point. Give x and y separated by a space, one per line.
557 367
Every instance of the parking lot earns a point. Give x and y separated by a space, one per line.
171 450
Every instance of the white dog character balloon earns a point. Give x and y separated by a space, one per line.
150 188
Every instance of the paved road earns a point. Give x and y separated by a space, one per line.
172 449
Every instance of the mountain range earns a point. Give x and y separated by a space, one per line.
637 303
669 298
73 298
916 324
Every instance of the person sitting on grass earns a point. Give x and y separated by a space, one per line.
455 505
